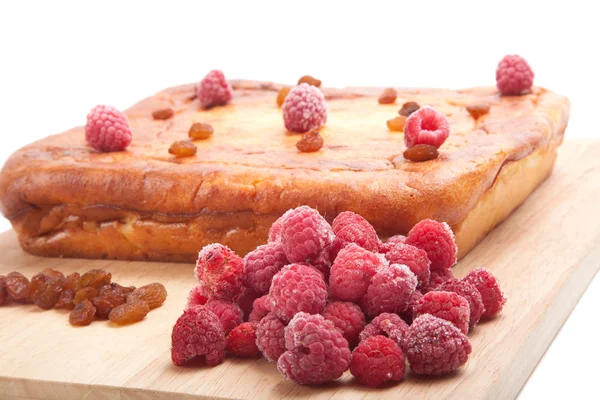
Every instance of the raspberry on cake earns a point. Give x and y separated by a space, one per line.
304 109
426 126
107 129
214 90
514 76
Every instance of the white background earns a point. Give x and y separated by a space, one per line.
59 59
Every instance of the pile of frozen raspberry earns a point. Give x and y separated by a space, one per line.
320 299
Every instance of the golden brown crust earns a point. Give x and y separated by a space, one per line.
65 199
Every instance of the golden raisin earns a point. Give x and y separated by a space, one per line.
311 141
164 113
17 287
396 124
310 80
87 293
107 300
283 92
95 278
129 312
388 96
65 300
71 280
421 152
2 289
153 294
122 290
200 131
52 273
183 148
45 291
82 314
408 108
477 110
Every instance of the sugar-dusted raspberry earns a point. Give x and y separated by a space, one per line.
277 227
390 291
436 278
107 129
245 299
198 296
377 360
305 235
386 324
198 332
514 76
261 264
230 314
213 90
304 109
347 317
296 288
426 126
414 258
446 305
316 351
489 287
260 308
270 337
241 341
433 346
437 239
411 310
391 242
220 270
470 293
352 228
352 271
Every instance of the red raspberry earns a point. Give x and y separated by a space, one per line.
198 296
316 351
377 360
241 341
390 291
513 75
245 299
446 305
305 235
414 258
304 109
277 227
437 239
213 90
493 298
261 264
386 324
426 126
296 288
352 271
347 317
433 346
391 243
470 293
352 228
220 270
437 278
270 337
411 311
260 308
107 129
229 314
198 332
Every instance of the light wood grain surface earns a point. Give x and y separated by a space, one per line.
545 255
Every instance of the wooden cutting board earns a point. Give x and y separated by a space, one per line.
545 255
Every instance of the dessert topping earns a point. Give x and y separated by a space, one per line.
396 124
183 148
426 126
310 80
107 129
311 141
200 131
213 90
477 110
408 108
281 95
514 76
388 96
420 153
304 109
163 113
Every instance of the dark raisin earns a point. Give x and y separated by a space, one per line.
183 148
283 92
164 113
17 287
87 293
66 299
95 278
45 291
82 314
129 312
477 110
310 80
200 131
421 152
396 124
52 273
107 301
311 141
71 280
388 96
408 108
153 294
3 293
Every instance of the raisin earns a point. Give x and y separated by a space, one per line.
45 291
311 141
52 273
183 148
283 92
87 293
408 108
82 314
122 290
396 124
153 294
421 152
17 287
164 113
477 110
106 301
3 294
71 280
388 96
66 299
200 131
95 278
310 80
129 312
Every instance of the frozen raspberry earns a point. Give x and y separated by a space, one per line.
304 109
229 314
470 293
411 311
414 258
270 337
446 305
493 298
386 324
437 239
352 271
316 351
213 90
220 270
390 291
277 227
198 332
436 278
513 75
260 308
433 346
305 235
352 228
245 299
241 341
391 243
198 296
347 317
107 129
426 126
261 264
377 360
296 288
